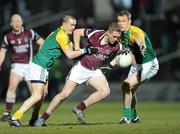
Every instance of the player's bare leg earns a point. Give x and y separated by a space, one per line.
14 80
134 114
127 88
36 96
59 98
37 106
133 83
102 90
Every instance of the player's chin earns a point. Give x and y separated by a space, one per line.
112 42
17 29
122 29
70 32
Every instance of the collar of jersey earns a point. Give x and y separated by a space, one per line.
62 28
22 30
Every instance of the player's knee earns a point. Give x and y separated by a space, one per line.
12 89
37 97
64 95
106 92
45 94
125 87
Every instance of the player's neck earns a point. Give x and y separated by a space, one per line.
17 32
127 29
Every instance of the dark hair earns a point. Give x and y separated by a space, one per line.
124 13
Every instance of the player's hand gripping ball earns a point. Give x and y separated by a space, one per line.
124 59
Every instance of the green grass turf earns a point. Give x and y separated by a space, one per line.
156 118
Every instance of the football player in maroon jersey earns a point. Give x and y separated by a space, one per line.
20 40
87 69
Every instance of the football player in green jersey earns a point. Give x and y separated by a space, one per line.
145 67
56 43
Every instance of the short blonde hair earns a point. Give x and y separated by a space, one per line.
124 13
66 18
113 27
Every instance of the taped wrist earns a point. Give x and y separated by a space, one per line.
84 51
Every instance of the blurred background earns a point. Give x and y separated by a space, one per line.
160 19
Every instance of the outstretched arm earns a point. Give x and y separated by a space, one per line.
71 54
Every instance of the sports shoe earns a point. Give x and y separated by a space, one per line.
39 122
32 121
80 115
5 117
136 120
124 120
13 122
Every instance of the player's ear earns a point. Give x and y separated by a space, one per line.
21 22
10 24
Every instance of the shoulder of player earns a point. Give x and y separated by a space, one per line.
8 35
95 32
61 34
135 31
31 33
133 28
29 30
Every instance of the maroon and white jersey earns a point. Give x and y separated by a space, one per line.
95 61
21 45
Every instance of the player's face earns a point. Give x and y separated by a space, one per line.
124 23
70 26
113 37
16 23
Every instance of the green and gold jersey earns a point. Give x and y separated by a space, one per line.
129 40
51 48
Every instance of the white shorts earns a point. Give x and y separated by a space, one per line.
148 70
38 74
21 70
80 74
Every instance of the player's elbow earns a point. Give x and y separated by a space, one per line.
45 94
70 56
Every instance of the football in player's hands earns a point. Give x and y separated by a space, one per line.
124 59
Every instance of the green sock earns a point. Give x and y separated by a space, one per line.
127 113
133 114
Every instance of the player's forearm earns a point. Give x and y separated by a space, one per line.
113 62
142 46
140 42
40 42
74 54
2 56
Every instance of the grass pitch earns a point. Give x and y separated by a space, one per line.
102 118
